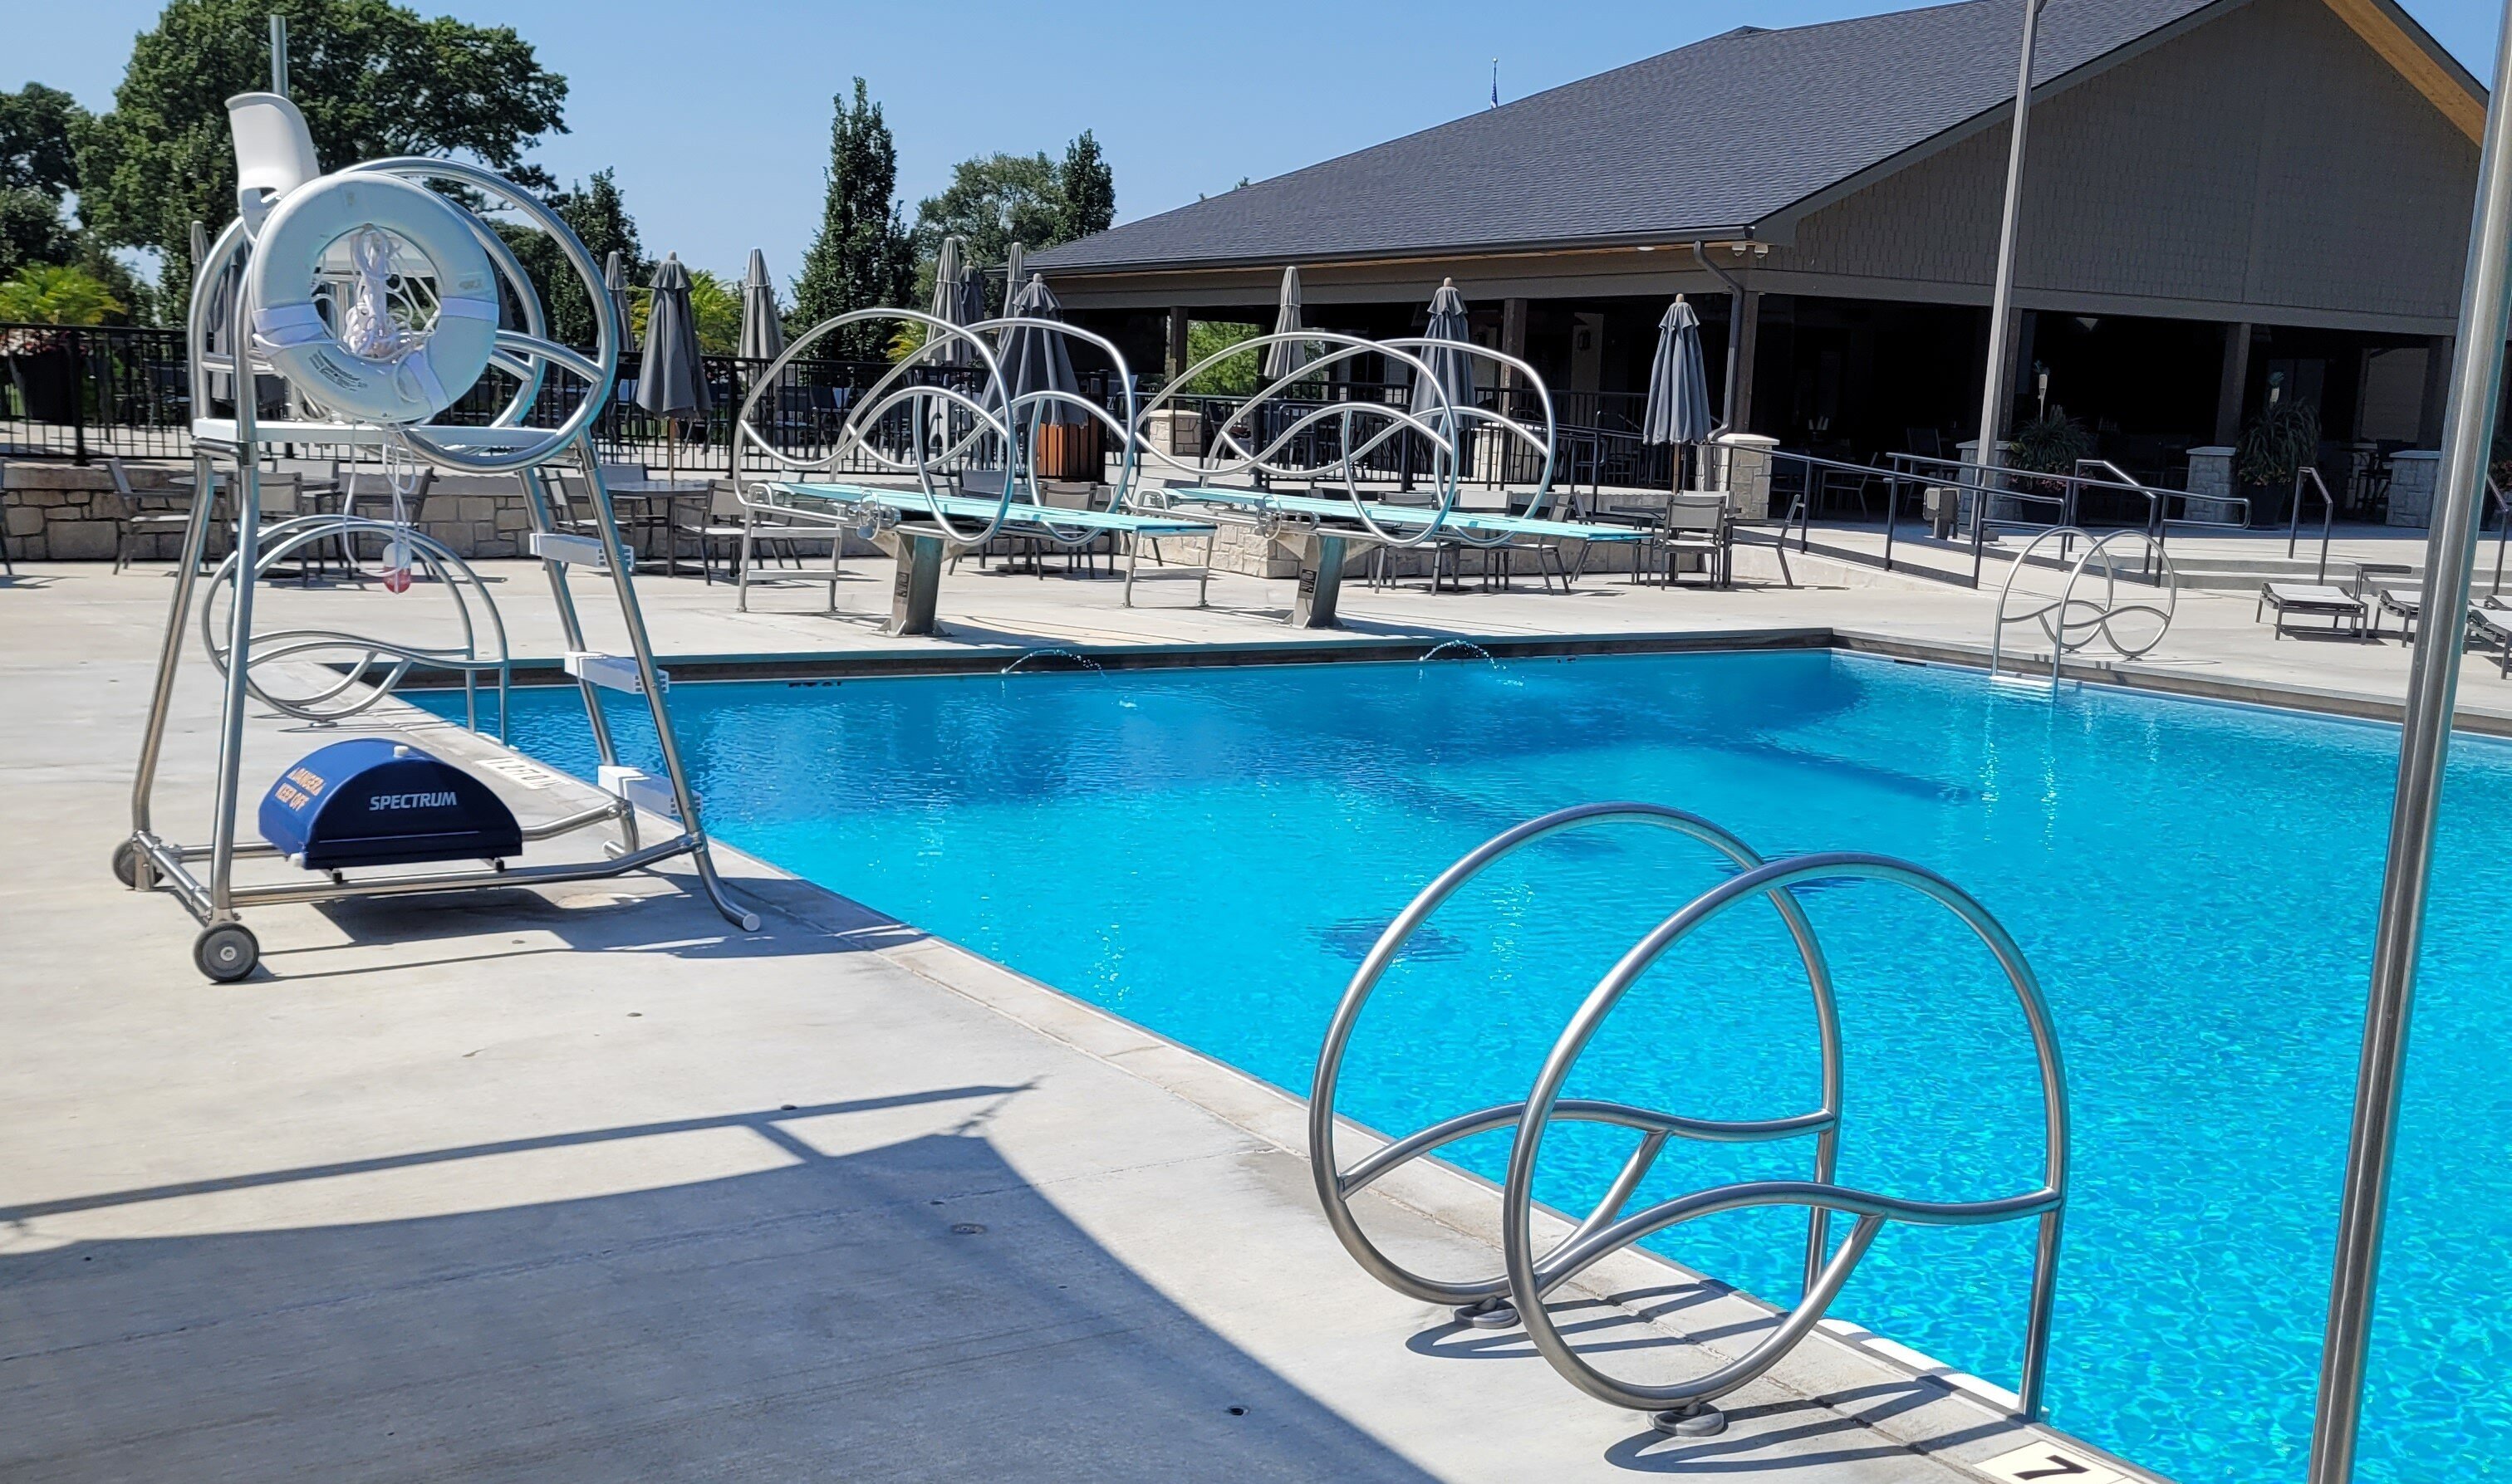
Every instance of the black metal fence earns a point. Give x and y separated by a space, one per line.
75 392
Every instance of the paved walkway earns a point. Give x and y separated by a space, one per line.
578 1184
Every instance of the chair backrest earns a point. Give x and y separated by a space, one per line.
121 477
613 474
723 501
1696 512
274 152
984 484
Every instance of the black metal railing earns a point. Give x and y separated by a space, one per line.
80 391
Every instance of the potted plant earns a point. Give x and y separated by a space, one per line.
2274 449
40 365
2049 444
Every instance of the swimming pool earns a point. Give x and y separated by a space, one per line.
1211 851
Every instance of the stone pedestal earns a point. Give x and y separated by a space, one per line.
1740 463
2414 475
2211 493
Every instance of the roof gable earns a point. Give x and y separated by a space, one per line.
1761 119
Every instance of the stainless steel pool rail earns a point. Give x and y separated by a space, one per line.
2059 618
1517 1294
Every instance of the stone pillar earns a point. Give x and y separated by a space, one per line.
2210 483
2413 476
2230 386
1740 463
1747 333
1177 341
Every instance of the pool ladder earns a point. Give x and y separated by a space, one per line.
1516 1295
2071 623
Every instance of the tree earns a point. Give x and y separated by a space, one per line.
31 229
1089 190
39 130
994 201
861 259
64 295
598 214
371 78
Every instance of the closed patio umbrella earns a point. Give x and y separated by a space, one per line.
1678 388
671 382
1015 268
614 282
1038 360
1284 358
762 330
1452 370
949 267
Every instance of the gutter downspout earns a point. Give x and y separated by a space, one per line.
1735 330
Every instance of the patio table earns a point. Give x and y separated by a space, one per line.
656 502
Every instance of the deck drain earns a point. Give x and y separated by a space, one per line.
966 1229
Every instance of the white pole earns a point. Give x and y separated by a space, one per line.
2433 684
2001 309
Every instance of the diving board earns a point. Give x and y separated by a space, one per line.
918 525
1327 548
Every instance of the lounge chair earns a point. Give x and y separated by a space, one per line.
2493 625
2315 599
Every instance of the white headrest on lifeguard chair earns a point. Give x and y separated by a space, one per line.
274 153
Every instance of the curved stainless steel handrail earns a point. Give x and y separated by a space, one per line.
1529 1275
2057 616
1335 1185
368 654
1530 1278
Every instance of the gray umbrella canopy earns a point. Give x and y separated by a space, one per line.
949 303
1284 358
762 330
1453 369
1678 387
1038 360
614 282
672 381
1015 269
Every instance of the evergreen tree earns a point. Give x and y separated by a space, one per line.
1088 188
861 257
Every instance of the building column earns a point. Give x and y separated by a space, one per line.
1177 341
2437 391
2233 384
1513 338
1743 334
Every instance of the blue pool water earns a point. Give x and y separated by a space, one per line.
1210 852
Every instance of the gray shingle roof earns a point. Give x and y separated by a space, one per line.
1714 136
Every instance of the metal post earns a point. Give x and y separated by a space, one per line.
79 379
278 54
2433 681
2001 306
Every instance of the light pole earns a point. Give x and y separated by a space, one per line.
2001 305
2433 682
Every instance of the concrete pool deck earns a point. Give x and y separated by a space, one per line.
576 1183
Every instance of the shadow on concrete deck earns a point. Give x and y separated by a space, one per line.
908 1310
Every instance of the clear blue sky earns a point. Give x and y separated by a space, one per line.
716 115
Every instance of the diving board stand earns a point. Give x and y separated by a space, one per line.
914 526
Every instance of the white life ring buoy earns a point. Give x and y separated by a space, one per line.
407 387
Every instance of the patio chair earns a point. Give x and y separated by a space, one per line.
2492 623
133 521
719 529
1696 525
2313 600
2390 587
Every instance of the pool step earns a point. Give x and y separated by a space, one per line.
612 671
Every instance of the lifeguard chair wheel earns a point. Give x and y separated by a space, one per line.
125 864
226 951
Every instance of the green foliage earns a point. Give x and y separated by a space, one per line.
31 229
63 295
1236 376
39 128
2050 444
861 257
371 77
2274 449
1090 189
994 201
714 302
598 214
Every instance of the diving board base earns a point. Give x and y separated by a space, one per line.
917 589
1321 564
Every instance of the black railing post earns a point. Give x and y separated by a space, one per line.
79 378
